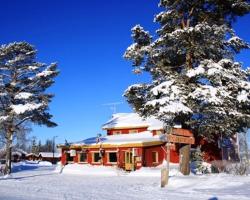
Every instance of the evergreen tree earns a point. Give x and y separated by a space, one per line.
48 147
197 162
34 146
39 146
243 148
20 137
195 80
23 84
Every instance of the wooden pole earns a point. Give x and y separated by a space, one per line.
163 177
185 157
165 170
168 160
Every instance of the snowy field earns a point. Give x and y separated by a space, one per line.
43 182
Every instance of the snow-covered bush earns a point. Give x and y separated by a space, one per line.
197 155
237 168
198 165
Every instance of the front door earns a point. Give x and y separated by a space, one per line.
129 164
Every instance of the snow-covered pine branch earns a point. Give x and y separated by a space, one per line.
25 86
195 81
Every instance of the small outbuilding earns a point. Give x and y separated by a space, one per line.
52 157
32 156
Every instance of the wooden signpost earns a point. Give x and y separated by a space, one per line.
180 139
178 136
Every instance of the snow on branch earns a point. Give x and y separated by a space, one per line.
243 96
237 43
45 73
23 95
4 118
175 108
162 88
207 94
22 108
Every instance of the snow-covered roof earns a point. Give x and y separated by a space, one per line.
122 139
31 154
21 151
130 120
16 153
49 154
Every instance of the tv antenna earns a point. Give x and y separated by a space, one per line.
113 106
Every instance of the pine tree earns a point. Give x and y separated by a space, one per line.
48 145
20 140
243 150
195 80
39 146
34 146
23 84
198 164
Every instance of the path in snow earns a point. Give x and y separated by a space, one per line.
42 183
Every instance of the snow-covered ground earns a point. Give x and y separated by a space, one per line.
43 182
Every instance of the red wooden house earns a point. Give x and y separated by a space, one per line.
32 156
50 157
131 143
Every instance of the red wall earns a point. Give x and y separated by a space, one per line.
155 131
210 149
148 162
63 158
174 156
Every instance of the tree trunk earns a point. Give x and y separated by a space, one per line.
189 60
245 150
8 152
246 147
184 159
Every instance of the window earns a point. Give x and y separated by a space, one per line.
117 132
112 157
82 157
155 157
96 157
128 157
133 131
159 132
69 158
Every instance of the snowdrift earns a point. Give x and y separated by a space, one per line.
89 170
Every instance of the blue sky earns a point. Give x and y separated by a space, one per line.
87 39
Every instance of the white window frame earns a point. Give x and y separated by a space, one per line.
108 161
93 157
80 155
116 132
132 131
158 132
70 162
157 157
